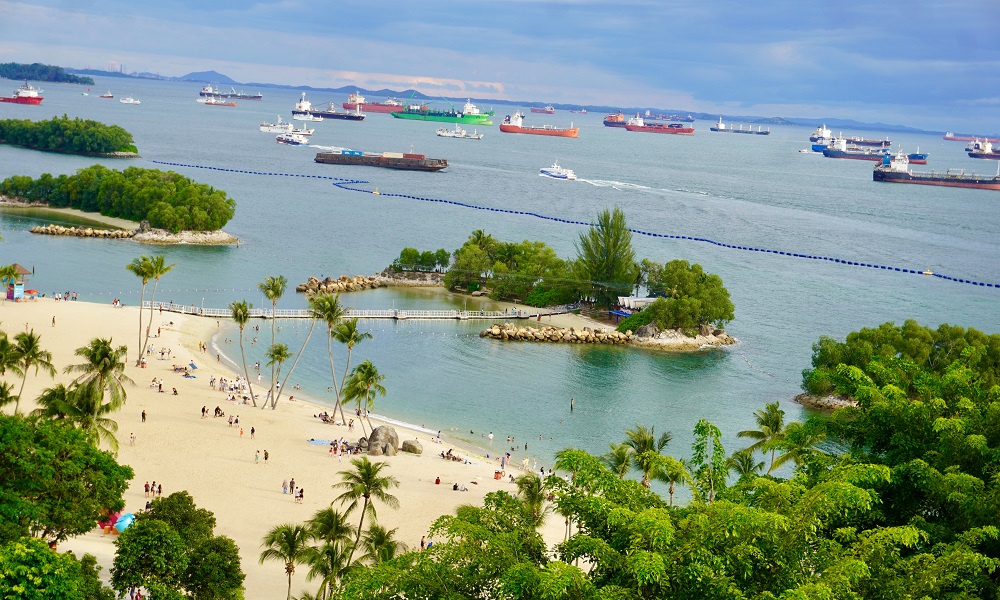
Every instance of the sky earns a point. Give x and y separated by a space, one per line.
927 64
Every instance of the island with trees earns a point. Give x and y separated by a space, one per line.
40 72
69 136
167 200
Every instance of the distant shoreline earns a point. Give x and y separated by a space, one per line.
73 153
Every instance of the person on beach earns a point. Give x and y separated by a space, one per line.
284 486
291 485
143 416
146 487
241 432
159 490
252 432
256 458
423 542
265 457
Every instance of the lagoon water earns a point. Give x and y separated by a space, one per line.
744 190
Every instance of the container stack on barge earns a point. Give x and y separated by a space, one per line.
387 160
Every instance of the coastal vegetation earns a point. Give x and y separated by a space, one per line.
411 259
167 200
689 297
73 136
40 72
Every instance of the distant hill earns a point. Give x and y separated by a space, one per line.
206 77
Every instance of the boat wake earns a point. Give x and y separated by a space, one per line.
328 148
618 185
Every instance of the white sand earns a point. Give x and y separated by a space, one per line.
179 449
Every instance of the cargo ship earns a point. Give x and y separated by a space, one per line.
387 160
213 92
860 141
723 128
982 149
821 133
305 107
637 124
470 114
665 117
515 124
840 148
26 94
615 120
357 102
548 110
896 170
918 157
951 137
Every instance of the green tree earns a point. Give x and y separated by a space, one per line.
531 491
273 289
691 297
289 544
213 571
28 353
709 458
156 267
103 370
240 313
276 355
672 472
770 430
605 257
140 267
646 449
364 384
328 560
327 308
84 408
365 484
194 525
619 459
380 544
149 554
29 570
347 333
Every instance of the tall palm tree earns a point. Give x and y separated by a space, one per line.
104 368
365 484
276 354
618 459
6 397
380 544
284 382
531 491
82 406
347 333
28 353
273 289
7 356
141 269
8 275
671 471
799 444
326 307
647 448
770 430
156 267
330 525
744 464
364 384
328 561
287 543
240 312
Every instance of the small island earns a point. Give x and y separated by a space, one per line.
177 209
40 72
69 136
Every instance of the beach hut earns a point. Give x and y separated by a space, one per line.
15 280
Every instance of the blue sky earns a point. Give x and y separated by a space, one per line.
926 64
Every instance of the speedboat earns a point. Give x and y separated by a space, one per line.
107 94
458 132
279 127
307 117
557 172
292 139
129 100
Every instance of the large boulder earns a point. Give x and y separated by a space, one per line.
647 331
383 441
412 446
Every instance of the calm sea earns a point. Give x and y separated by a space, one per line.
745 190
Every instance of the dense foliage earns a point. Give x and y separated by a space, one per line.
40 72
62 134
690 297
529 272
606 260
916 346
30 570
167 199
411 259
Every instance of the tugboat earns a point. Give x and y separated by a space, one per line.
305 107
26 94
514 124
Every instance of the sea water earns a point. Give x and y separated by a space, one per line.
752 191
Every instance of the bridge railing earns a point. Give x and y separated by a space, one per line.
359 313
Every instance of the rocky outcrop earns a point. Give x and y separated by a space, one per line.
390 277
412 447
82 232
829 402
508 331
383 441
200 238
648 336
342 284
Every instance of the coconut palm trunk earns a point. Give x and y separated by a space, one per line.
157 268
284 382
140 267
240 312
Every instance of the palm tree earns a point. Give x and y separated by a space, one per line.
744 465
27 353
365 383
647 449
6 397
83 407
156 267
486 242
329 560
671 471
346 332
531 491
276 354
365 484
799 444
380 544
287 543
770 430
7 357
273 289
326 307
104 368
618 459
312 325
240 312
140 268
8 274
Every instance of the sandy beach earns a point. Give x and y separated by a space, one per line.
215 463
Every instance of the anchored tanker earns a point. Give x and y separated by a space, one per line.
387 160
896 170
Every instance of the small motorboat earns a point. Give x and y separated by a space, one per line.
107 94
557 172
292 139
129 100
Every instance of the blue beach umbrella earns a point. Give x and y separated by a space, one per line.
124 521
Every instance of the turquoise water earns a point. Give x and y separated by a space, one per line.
745 190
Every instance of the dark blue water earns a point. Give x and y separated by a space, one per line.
743 190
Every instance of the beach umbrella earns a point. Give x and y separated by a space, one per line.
31 292
109 520
123 522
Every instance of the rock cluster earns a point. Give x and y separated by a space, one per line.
830 402
383 441
507 331
411 278
412 446
342 284
651 336
82 231
202 238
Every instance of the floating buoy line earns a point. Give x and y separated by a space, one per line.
349 185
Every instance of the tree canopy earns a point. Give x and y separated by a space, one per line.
40 72
411 259
62 134
606 259
167 200
689 298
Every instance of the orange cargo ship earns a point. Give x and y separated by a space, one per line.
514 124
